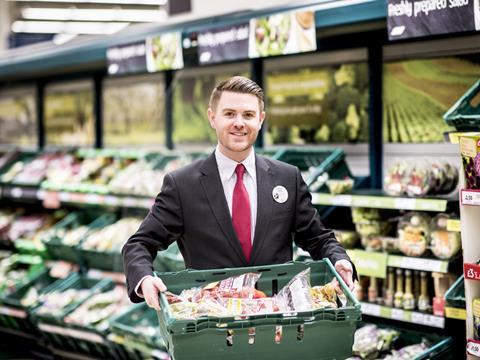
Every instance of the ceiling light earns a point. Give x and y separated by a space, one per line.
57 27
73 14
116 2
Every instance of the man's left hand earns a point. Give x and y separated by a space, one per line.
345 270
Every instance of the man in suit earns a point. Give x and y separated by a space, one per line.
232 209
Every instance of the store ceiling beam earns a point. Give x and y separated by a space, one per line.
115 2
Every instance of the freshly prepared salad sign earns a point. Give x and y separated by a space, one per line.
237 296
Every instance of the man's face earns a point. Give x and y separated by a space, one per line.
236 120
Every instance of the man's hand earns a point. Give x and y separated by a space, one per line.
151 287
345 270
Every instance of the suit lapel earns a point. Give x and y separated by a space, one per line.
213 188
264 204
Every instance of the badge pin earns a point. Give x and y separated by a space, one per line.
280 194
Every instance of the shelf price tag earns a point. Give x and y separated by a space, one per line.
473 347
470 197
397 314
371 309
405 203
370 263
342 200
406 262
51 200
472 271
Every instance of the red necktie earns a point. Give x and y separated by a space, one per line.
241 213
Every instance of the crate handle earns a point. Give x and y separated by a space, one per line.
345 289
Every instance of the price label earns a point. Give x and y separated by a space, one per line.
51 200
129 202
16 192
371 309
13 312
397 314
342 200
473 347
470 197
471 271
111 200
93 199
404 204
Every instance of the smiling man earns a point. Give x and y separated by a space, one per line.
232 209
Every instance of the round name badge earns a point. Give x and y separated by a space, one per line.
280 194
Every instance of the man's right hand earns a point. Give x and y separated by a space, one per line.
151 286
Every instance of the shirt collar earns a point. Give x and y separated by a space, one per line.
226 166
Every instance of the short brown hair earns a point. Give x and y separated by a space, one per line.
238 84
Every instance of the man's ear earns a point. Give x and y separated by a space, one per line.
211 117
262 118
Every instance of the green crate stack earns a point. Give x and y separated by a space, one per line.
325 333
102 260
126 330
464 115
69 337
169 260
14 312
455 295
57 250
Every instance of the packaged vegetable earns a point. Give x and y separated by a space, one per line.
296 295
444 244
396 178
347 238
414 233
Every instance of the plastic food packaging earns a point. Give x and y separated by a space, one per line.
419 180
395 179
444 244
414 233
339 186
296 295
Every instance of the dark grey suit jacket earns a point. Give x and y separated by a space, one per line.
192 210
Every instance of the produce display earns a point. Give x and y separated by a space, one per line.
420 178
444 244
414 233
347 238
112 237
15 273
54 303
340 186
371 342
98 309
237 296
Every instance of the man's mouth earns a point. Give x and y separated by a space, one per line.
238 133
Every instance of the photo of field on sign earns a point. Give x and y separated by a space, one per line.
416 94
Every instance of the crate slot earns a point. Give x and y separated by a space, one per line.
278 334
229 337
300 332
251 336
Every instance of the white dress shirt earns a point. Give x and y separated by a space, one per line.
228 177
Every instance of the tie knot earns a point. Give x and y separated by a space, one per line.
240 170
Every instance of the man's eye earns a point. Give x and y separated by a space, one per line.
249 116
229 114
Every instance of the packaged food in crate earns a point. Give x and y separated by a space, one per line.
298 322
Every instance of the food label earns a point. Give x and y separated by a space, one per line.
473 347
472 271
468 147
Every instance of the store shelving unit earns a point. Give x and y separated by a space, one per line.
379 200
470 214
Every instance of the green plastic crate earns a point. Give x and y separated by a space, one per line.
138 345
34 266
327 333
13 314
464 115
455 295
169 260
57 250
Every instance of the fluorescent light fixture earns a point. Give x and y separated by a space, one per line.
58 27
60 39
116 2
73 14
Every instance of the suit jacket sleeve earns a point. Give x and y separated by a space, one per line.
162 226
310 234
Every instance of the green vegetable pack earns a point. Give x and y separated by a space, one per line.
470 150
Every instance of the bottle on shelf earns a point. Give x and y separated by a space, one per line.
423 299
416 286
390 292
398 297
476 318
372 290
408 299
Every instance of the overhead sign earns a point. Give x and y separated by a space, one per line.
127 59
281 34
223 44
164 52
415 18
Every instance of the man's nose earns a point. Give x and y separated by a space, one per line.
239 122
